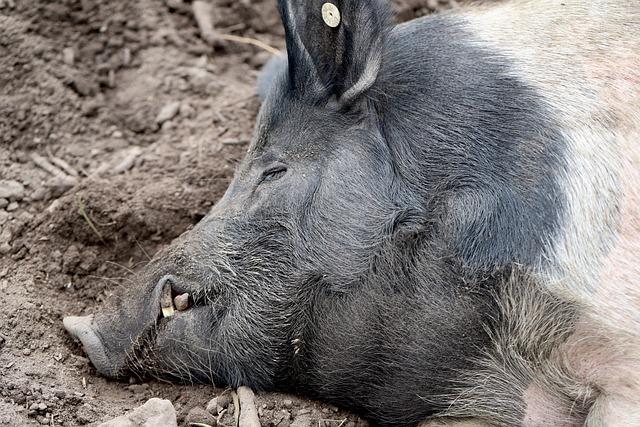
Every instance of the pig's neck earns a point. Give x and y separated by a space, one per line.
391 342
400 347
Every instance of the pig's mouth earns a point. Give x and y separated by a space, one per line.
169 300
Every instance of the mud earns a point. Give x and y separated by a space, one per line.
140 123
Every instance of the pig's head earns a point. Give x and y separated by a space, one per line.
314 200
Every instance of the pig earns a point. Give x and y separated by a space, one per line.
436 222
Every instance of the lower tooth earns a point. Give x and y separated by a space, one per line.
181 302
166 302
167 311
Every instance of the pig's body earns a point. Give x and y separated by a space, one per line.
434 221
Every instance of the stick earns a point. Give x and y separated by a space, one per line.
248 413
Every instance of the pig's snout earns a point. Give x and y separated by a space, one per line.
80 327
109 339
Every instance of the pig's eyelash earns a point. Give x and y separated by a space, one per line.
273 174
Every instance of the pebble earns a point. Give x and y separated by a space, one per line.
212 406
26 351
82 86
4 217
12 206
223 401
303 421
155 412
3 203
12 190
199 415
127 161
287 403
186 110
68 55
39 193
168 112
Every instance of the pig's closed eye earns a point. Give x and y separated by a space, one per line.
273 173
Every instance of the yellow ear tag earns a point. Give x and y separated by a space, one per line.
331 15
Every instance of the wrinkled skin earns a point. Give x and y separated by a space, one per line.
350 259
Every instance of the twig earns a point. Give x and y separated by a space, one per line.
202 12
83 212
236 404
251 41
46 165
248 414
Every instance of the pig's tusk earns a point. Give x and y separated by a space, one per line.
166 302
181 302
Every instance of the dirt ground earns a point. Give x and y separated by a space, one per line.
119 128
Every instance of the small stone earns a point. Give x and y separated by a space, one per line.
4 203
168 112
5 248
39 194
223 401
287 403
176 4
199 415
126 56
42 407
156 412
82 86
91 108
186 110
68 55
212 406
12 206
12 190
26 351
269 405
303 421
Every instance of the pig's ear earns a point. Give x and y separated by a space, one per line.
334 46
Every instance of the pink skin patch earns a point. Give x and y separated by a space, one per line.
544 410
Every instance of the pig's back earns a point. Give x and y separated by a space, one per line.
583 59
